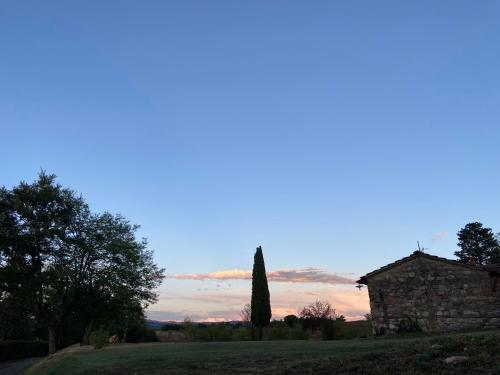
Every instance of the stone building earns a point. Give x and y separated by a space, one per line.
433 294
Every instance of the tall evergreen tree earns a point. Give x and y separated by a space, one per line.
478 242
261 305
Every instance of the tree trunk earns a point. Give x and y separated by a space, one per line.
86 334
52 340
260 333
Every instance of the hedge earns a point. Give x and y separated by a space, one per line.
19 349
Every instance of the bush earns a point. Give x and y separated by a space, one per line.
244 333
19 349
278 331
351 330
409 325
215 332
187 327
328 329
298 333
99 338
140 333
291 320
170 327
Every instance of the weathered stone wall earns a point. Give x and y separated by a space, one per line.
437 295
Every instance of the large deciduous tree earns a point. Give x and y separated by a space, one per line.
36 222
61 265
260 303
115 272
478 243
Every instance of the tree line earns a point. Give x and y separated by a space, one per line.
65 270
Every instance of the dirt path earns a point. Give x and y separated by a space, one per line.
15 367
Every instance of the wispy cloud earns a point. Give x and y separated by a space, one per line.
350 302
439 236
302 275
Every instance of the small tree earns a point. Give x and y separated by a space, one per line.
478 243
319 315
261 305
291 320
246 313
99 338
188 328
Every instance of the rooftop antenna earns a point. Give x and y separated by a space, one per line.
421 249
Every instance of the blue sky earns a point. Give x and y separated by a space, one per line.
334 134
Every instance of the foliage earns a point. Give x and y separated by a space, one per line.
171 327
409 325
63 268
19 349
319 315
350 330
278 330
244 333
478 243
214 332
187 328
140 333
246 313
261 306
99 338
318 310
291 320
298 333
37 224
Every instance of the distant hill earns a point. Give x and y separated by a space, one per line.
157 324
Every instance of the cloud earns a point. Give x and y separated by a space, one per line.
285 299
302 275
439 236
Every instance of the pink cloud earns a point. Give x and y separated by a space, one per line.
302 275
201 306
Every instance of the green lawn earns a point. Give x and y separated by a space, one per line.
412 355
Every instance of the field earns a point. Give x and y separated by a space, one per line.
410 355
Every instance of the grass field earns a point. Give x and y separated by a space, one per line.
410 355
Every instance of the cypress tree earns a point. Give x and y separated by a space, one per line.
261 306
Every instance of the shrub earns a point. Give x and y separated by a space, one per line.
278 331
291 320
187 328
215 332
298 333
19 349
350 330
170 327
140 333
409 325
99 338
328 329
244 333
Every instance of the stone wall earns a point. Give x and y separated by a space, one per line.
437 295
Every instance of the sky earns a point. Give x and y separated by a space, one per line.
333 134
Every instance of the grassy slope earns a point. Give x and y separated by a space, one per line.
381 356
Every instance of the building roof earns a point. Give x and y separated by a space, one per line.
492 268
